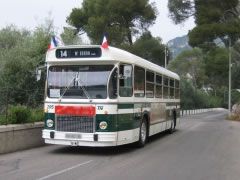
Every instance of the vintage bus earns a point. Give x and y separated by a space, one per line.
106 97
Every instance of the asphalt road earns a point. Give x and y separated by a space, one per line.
205 147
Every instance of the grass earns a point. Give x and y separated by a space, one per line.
234 117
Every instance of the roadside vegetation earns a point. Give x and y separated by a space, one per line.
234 117
203 70
215 38
19 114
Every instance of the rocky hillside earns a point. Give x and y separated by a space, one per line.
178 45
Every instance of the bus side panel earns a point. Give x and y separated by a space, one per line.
128 124
162 116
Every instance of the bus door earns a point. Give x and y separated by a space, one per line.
126 105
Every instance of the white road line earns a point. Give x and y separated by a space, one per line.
64 170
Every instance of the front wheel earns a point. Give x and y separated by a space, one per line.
142 133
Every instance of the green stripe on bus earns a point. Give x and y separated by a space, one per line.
125 106
110 119
120 122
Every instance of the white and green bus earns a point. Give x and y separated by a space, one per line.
106 97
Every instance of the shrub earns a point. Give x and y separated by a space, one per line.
234 117
193 98
37 115
3 120
19 114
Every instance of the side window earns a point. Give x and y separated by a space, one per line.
171 84
149 84
125 80
139 82
112 88
165 87
177 89
158 86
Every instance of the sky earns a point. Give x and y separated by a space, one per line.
31 13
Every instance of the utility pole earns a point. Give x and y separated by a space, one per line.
166 54
229 75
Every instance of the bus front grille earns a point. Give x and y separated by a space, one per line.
69 123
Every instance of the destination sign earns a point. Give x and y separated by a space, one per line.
78 53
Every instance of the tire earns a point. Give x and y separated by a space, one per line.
174 119
143 134
172 128
173 123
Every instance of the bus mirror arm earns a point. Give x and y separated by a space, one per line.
122 76
38 72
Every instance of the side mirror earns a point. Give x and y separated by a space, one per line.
38 74
121 76
127 71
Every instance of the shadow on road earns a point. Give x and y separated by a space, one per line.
106 151
98 151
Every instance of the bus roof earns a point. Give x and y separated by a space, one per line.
95 53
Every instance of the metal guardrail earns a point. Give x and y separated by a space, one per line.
195 111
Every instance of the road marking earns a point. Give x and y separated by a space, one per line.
64 170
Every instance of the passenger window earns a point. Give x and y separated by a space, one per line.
158 86
139 82
165 87
149 84
177 89
171 82
125 80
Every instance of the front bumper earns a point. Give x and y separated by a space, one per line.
102 139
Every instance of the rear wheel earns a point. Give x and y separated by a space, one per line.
143 133
173 123
172 128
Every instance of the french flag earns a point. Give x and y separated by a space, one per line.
105 42
53 43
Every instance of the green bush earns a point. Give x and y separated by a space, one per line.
234 117
3 120
192 98
22 114
18 114
37 115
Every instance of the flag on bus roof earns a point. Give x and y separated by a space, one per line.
105 42
53 43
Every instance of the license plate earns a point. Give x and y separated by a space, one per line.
73 136
74 143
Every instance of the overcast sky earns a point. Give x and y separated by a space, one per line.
30 13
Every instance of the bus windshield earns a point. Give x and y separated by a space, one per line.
78 81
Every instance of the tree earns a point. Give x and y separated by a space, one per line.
148 47
122 20
236 66
217 67
70 36
190 65
193 98
213 18
20 54
180 10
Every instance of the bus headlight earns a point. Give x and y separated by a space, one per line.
49 123
103 125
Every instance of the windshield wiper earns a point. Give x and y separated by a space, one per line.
81 86
66 88
76 78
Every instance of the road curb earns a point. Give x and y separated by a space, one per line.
15 137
